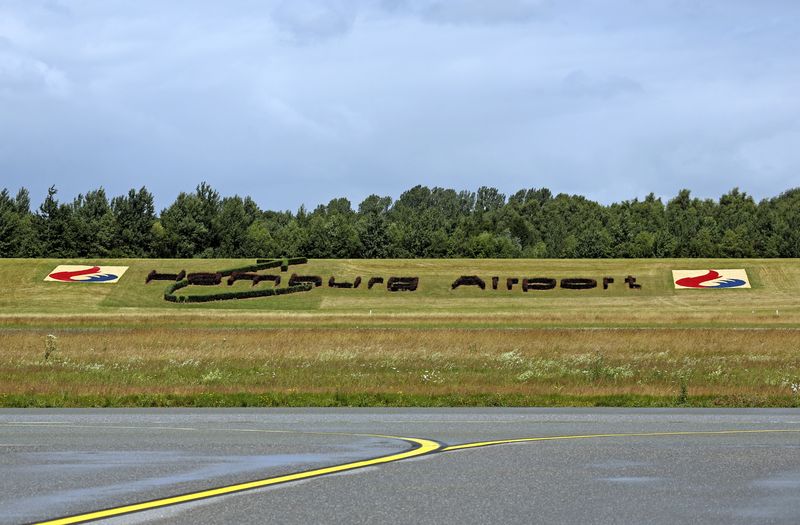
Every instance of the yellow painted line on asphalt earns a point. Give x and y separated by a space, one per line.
421 446
478 444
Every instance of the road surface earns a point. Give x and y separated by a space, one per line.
400 466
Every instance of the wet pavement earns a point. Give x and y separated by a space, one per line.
59 462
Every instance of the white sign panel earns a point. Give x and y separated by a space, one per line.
66 273
711 278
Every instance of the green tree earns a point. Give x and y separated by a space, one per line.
27 245
684 222
53 228
94 224
134 218
372 227
292 239
9 226
423 222
736 243
258 241
236 215
594 243
192 223
643 245
184 227
737 224
704 242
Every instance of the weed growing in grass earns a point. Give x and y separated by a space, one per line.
682 375
511 359
792 384
192 363
543 369
594 366
683 396
212 376
50 346
588 367
618 373
432 376
337 354
717 374
265 371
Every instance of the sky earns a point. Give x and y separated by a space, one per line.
301 101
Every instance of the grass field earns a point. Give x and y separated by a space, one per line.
77 344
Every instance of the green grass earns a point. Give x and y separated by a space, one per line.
386 400
123 345
771 302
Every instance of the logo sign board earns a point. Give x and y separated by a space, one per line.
65 273
710 279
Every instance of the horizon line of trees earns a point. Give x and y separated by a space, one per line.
423 223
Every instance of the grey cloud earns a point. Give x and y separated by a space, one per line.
472 12
26 76
480 12
307 20
612 102
57 7
579 84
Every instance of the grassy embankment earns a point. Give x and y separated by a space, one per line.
122 345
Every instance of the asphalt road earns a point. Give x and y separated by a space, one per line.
56 463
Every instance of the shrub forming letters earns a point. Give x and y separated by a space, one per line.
304 283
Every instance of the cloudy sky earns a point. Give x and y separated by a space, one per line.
299 101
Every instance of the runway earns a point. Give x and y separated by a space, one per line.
400 466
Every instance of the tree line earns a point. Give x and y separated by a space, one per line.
423 222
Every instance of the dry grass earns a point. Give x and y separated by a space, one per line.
572 362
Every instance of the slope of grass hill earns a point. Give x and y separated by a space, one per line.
82 344
772 300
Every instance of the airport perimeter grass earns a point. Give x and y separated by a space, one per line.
123 345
